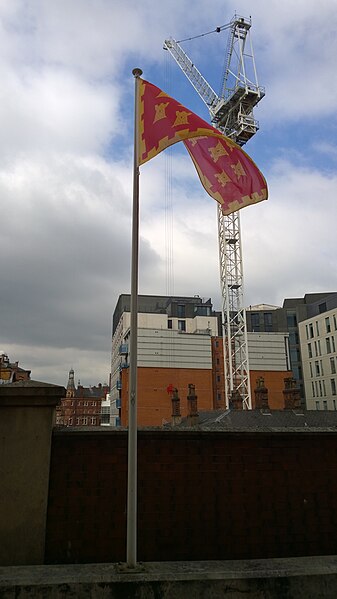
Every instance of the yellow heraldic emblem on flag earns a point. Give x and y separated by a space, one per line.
227 173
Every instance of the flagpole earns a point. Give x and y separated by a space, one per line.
131 541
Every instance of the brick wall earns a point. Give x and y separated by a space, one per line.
201 496
154 403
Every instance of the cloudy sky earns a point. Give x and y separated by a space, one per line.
66 151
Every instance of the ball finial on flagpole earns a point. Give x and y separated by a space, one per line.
137 72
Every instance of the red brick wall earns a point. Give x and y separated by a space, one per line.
154 403
274 381
200 496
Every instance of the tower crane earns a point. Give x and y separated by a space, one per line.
231 111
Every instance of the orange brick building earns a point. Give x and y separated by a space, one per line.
154 401
178 345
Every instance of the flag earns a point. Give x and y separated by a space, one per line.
227 173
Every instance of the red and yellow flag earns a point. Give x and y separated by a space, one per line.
227 173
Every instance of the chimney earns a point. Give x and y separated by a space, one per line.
261 395
291 394
176 415
192 407
235 402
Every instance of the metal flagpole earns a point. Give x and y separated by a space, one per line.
131 541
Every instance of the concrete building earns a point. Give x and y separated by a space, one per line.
318 338
179 345
174 350
286 319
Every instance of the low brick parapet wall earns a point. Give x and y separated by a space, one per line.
201 495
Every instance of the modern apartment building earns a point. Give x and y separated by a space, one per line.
179 344
174 350
286 319
318 338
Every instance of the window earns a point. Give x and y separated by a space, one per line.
320 388
181 325
310 367
335 322
316 352
317 405
317 328
307 331
334 404
217 361
317 370
332 366
325 404
319 348
309 350
255 319
311 331
86 403
77 421
294 356
93 421
293 338
181 311
327 324
313 388
333 344
291 320
218 378
328 345
321 368
322 308
324 389
84 420
94 403
316 388
169 323
333 386
268 322
70 421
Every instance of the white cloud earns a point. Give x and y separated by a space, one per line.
66 115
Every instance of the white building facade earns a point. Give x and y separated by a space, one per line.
318 340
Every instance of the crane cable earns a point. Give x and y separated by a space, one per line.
216 30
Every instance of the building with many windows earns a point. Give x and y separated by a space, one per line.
179 344
82 405
174 350
318 336
286 319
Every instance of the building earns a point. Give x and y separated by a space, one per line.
286 319
174 351
318 338
10 372
179 345
82 405
268 355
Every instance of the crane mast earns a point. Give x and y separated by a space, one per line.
231 111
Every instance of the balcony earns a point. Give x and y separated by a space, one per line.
118 385
123 365
123 349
